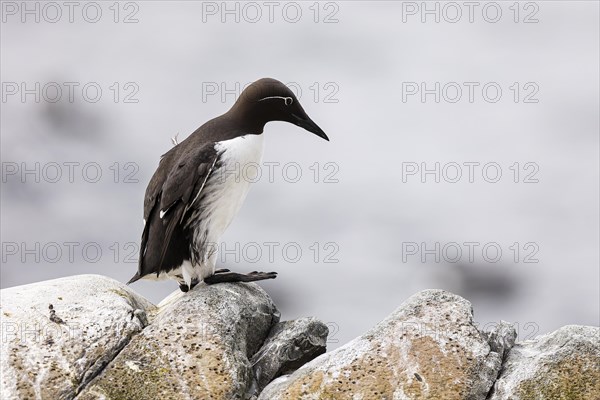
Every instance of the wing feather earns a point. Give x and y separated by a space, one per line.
174 188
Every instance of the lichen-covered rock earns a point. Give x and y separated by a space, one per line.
197 347
89 337
58 334
290 345
429 348
562 365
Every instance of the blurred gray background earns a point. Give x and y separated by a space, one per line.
353 63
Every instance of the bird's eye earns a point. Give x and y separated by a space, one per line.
288 101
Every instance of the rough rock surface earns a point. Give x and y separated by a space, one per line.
90 337
428 348
501 338
564 364
57 335
290 345
198 347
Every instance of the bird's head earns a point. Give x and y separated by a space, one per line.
270 100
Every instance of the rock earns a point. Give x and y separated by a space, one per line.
564 364
501 338
89 337
57 335
290 345
428 348
198 347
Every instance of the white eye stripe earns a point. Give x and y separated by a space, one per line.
287 100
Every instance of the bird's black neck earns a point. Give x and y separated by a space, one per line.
246 119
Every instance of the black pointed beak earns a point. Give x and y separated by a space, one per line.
308 124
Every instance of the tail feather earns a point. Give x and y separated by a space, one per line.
135 278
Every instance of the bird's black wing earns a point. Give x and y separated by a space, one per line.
176 184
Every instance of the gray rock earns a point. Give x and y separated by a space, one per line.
564 364
57 335
501 338
90 337
290 345
428 348
198 347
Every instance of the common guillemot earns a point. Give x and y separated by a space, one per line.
195 193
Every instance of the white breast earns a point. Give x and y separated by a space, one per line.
226 191
239 167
